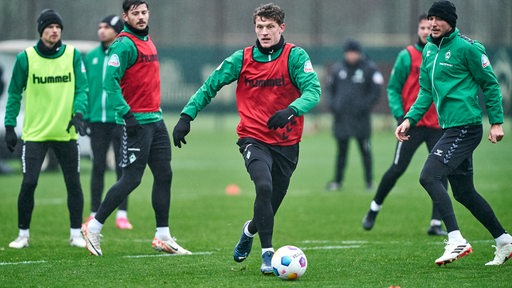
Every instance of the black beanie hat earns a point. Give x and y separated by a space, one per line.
352 45
47 17
113 21
444 10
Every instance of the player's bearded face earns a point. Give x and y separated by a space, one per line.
439 26
137 17
268 31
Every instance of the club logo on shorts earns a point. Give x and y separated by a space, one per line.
438 152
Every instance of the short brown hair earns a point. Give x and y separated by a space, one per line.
269 11
129 4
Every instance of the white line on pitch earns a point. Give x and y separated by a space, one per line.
166 255
332 247
336 241
22 262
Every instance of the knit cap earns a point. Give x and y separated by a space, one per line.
113 21
47 17
444 10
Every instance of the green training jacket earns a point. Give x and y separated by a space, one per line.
99 107
451 76
229 71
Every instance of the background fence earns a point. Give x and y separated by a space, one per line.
193 37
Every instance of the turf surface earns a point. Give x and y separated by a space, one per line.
207 221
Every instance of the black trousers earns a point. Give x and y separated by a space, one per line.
452 157
68 155
270 168
152 147
341 159
102 136
403 155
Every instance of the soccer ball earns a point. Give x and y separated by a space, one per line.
289 262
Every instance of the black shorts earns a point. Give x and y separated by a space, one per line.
280 159
151 143
455 148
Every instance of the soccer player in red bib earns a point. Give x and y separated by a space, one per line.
132 82
276 87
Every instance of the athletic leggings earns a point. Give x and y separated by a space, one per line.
452 156
403 155
102 135
150 146
68 155
270 168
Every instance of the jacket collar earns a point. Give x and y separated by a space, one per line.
445 39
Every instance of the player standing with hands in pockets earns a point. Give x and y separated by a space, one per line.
276 87
454 67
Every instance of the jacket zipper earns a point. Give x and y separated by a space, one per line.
433 71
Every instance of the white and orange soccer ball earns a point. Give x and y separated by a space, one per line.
289 262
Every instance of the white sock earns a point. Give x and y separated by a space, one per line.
121 214
456 237
375 207
24 233
504 239
94 226
247 233
435 222
74 232
163 233
264 250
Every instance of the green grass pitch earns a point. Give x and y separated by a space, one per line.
207 221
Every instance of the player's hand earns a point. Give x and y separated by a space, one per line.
79 124
131 124
280 118
181 130
401 131
496 133
10 138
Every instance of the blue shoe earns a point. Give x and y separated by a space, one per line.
266 262
243 247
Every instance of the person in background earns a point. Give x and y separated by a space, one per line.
353 88
103 130
453 70
403 88
51 80
276 86
132 82
4 167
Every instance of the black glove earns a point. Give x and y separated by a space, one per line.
78 122
181 130
10 138
131 124
280 118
